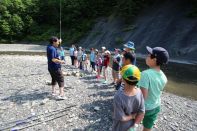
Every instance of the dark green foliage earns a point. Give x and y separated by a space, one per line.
37 20
193 12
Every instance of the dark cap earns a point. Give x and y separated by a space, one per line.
53 39
160 54
116 49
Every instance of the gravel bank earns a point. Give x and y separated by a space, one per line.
24 93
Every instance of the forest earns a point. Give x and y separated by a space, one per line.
37 20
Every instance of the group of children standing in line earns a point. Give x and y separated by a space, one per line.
139 94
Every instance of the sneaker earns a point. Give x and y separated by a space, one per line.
98 77
61 98
105 82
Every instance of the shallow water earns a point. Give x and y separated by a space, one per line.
182 78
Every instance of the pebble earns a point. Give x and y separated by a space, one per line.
92 105
96 108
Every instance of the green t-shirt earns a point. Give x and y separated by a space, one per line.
154 82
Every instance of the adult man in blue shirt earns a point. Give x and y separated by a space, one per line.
54 67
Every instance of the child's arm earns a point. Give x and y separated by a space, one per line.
128 118
139 118
144 92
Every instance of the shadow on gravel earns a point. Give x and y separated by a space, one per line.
103 94
23 98
100 119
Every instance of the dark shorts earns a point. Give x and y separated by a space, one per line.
150 117
57 77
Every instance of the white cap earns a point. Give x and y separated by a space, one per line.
80 47
103 47
107 52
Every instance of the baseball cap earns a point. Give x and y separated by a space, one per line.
130 73
160 54
130 45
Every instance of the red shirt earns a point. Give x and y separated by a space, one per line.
106 60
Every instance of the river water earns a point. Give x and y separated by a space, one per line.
182 78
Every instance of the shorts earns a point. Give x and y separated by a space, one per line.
116 74
57 77
150 117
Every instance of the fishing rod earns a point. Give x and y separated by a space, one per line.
33 118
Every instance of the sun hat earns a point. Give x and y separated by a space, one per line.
160 54
130 45
130 73
103 47
107 52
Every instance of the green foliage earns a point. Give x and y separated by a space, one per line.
193 12
37 20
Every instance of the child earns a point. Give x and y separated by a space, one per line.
152 82
127 59
92 59
99 64
71 52
116 66
75 57
105 65
128 103
79 54
84 60
129 47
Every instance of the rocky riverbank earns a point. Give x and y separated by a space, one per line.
24 92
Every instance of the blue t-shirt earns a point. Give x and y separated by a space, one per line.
92 57
52 53
71 51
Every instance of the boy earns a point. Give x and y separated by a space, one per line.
152 82
129 47
128 103
116 66
127 59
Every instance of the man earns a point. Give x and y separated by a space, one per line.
54 67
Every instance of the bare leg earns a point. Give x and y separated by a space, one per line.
53 89
61 91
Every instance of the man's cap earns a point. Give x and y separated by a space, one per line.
130 45
96 50
160 54
130 73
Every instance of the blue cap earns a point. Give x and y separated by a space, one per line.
130 45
